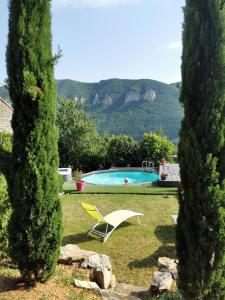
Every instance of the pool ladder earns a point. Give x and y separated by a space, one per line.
147 166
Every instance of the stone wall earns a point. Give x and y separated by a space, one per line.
5 116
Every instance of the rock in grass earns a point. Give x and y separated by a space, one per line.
86 284
97 261
170 265
71 253
161 281
113 282
103 277
102 269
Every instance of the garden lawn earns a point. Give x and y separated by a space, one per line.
134 249
145 189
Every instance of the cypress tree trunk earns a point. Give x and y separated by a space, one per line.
35 225
201 221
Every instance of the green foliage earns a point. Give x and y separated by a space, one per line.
79 143
35 225
5 209
173 296
166 296
96 156
154 146
201 229
123 151
77 175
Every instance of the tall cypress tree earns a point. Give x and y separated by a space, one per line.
201 221
35 225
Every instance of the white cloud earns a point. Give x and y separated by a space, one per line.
175 45
92 3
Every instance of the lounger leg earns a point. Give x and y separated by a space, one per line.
138 220
107 236
90 230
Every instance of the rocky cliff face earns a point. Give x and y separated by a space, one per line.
133 95
149 96
102 100
79 99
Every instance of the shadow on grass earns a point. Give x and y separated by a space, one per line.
85 237
152 260
77 238
166 235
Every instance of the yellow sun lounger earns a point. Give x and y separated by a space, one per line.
114 219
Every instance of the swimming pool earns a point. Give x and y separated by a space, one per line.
116 177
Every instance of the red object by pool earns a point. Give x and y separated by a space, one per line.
80 185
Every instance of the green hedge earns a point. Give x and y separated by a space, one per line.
5 209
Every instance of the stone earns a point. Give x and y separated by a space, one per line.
102 269
97 261
86 284
161 281
113 282
103 277
72 253
169 265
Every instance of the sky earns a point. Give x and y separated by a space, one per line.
103 39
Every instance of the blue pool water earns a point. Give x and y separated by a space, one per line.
117 177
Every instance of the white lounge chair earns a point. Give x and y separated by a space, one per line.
174 219
114 219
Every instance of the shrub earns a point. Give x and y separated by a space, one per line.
155 146
95 157
5 208
35 226
123 151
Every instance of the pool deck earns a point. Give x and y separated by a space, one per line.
173 175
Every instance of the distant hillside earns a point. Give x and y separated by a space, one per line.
128 106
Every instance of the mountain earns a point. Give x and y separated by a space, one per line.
130 107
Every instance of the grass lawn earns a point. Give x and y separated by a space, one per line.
134 249
144 189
